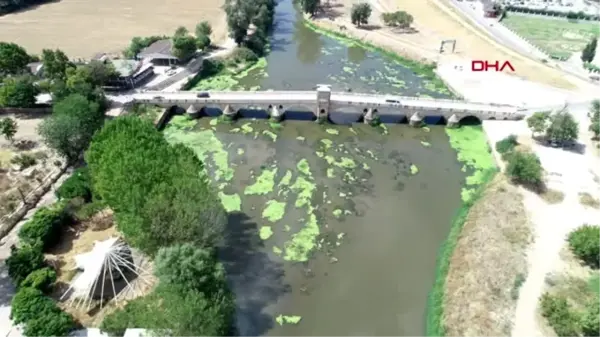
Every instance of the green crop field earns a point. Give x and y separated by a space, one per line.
559 37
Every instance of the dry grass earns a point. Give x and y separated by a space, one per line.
488 265
80 239
552 196
106 27
588 200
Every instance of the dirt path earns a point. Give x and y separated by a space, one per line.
82 28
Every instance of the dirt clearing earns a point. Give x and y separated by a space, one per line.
82 28
489 264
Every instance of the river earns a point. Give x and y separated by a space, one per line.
333 229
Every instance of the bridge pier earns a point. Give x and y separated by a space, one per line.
229 113
370 116
453 121
323 102
415 120
275 114
193 112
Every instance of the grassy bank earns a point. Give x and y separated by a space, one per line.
424 70
474 152
228 76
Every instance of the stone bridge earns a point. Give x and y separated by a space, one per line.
325 104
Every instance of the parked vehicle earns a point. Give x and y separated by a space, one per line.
392 101
158 97
203 95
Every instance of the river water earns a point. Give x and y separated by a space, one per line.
333 229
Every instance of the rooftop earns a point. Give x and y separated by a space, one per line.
159 49
126 67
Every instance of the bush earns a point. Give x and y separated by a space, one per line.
525 168
53 323
30 303
590 320
77 185
559 315
23 261
507 144
243 55
41 279
45 226
585 244
23 160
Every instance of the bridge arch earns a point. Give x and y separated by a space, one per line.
469 120
299 112
346 115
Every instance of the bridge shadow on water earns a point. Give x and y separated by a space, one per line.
256 280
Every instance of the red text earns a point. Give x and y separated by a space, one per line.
482 65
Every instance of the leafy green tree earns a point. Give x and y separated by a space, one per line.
28 304
585 244
41 279
203 29
360 14
13 59
53 323
184 46
55 63
507 144
202 42
181 31
239 15
594 115
590 320
8 128
400 18
45 226
24 260
18 92
525 168
310 6
263 19
191 267
538 122
589 51
72 125
563 128
76 186
99 73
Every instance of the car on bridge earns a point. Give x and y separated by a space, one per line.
203 95
158 97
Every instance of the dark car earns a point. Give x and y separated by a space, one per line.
391 101
203 95
158 97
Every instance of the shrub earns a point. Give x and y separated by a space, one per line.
53 323
590 320
23 160
30 303
524 168
243 54
45 226
77 185
559 315
211 67
585 244
22 261
507 144
41 279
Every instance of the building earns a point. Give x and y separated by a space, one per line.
159 53
131 74
490 9
35 68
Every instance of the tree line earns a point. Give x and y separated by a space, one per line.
250 22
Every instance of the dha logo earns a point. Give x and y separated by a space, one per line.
482 65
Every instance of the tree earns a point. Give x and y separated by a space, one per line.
399 18
310 6
360 14
594 115
191 267
238 19
202 42
13 59
181 31
590 320
203 29
184 46
18 92
74 121
525 168
53 323
563 128
45 226
76 186
585 244
41 279
29 303
589 51
538 122
99 73
24 260
8 128
55 63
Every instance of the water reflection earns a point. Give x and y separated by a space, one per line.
356 54
309 43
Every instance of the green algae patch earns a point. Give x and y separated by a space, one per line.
366 166
384 129
470 143
202 143
300 138
277 250
330 173
414 169
305 189
346 163
246 128
231 202
426 144
326 143
270 134
282 319
182 122
264 183
337 213
214 122
286 180
265 232
332 131
304 168
303 242
274 210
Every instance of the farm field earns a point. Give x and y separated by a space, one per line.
556 36
82 29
